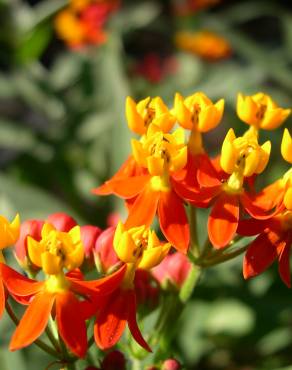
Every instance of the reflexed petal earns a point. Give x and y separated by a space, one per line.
223 220
129 187
111 320
252 226
173 220
134 329
71 323
284 261
207 175
33 322
18 284
2 298
260 255
254 210
101 286
144 208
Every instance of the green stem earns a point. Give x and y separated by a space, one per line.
195 248
37 342
224 257
52 339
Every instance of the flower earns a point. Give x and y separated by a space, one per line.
81 23
272 243
206 44
240 157
158 156
148 111
137 247
9 232
55 252
260 111
286 146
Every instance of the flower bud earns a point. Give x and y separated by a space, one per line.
89 235
31 228
171 364
104 254
174 268
113 361
61 221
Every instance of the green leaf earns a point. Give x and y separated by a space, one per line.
230 317
28 201
15 136
34 42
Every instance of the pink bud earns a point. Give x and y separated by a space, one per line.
171 364
175 268
31 228
89 235
104 249
61 221
113 219
114 360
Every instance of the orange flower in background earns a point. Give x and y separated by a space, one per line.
206 44
187 7
82 22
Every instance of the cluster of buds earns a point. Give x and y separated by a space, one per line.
165 176
82 22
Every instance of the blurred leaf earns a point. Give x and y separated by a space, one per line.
34 43
275 341
94 125
15 136
230 317
192 341
136 16
65 70
28 201
48 8
12 360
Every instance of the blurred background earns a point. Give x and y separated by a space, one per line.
65 71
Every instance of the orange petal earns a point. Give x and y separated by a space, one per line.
33 322
260 255
71 323
284 262
254 210
173 220
99 287
111 320
144 208
18 284
270 196
207 175
223 220
133 326
2 298
251 226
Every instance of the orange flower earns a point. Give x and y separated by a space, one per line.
162 155
273 243
208 45
60 292
138 247
241 158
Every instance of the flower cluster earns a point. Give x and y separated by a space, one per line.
82 22
167 177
